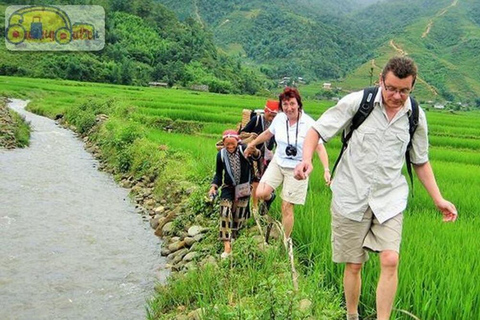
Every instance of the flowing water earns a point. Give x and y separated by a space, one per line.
71 244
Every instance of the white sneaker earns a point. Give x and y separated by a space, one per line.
225 255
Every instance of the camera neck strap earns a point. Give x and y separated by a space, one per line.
296 130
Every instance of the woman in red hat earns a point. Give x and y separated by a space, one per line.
258 124
233 176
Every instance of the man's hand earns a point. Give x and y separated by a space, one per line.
448 210
303 170
327 176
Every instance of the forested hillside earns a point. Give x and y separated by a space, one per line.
144 42
288 38
343 40
247 46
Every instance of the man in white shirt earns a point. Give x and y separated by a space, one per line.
369 192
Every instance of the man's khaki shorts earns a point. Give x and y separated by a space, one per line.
293 190
351 239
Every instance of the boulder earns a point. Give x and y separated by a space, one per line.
168 228
196 314
154 221
177 245
190 256
189 241
199 237
159 210
190 265
210 260
195 230
165 252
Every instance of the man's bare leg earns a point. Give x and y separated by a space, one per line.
387 284
352 284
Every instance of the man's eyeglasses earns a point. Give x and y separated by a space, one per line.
392 90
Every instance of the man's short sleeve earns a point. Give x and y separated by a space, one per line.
338 117
419 151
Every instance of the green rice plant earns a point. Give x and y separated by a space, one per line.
457 143
438 267
252 285
454 131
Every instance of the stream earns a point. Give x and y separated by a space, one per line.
72 245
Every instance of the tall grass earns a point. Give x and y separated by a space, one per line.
439 269
252 285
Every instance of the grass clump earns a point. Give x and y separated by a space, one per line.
255 283
14 130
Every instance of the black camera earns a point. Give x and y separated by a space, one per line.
291 151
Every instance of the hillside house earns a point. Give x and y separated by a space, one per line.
158 84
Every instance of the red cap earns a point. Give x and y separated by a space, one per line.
272 106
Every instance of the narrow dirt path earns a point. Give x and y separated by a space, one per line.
399 50
439 14
197 13
429 87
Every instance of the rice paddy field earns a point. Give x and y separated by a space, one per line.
439 262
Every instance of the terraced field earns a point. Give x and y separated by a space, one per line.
439 269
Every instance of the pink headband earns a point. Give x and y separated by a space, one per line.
230 135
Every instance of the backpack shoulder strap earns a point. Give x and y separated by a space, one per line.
242 152
413 118
366 107
364 110
261 120
413 124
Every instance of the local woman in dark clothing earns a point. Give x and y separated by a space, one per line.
233 175
258 124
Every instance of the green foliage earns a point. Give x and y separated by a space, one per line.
14 130
83 115
144 42
425 274
22 131
334 39
147 159
253 285
116 139
200 204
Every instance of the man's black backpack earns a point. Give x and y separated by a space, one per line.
366 107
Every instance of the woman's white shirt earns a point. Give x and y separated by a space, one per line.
279 129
